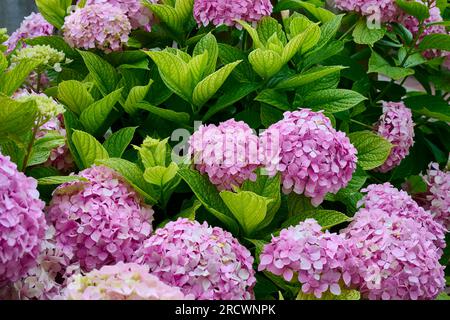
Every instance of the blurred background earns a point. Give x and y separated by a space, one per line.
12 13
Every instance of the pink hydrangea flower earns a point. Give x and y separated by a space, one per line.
397 202
219 12
206 262
397 127
385 10
100 221
139 15
311 155
398 257
321 261
122 281
439 194
22 222
31 27
227 153
101 26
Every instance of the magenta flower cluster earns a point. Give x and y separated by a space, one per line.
311 155
206 262
101 26
321 261
227 153
226 12
99 221
397 127
438 194
385 10
22 222
31 27
122 281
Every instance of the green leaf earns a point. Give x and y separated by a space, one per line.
329 30
209 197
74 95
438 41
372 149
269 26
416 184
57 180
319 13
432 106
362 34
414 8
307 77
3 62
266 63
270 115
117 143
16 118
133 175
11 80
333 100
326 218
206 89
197 66
274 98
136 95
153 152
257 44
297 204
208 44
167 114
346 294
248 208
379 65
159 175
54 11
188 213
88 148
43 147
71 123
167 14
243 71
94 116
103 74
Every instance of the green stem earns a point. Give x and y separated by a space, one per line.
362 124
346 33
31 144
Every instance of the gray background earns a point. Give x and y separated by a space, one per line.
12 13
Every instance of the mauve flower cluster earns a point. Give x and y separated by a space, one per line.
203 261
99 221
398 259
101 26
123 281
219 12
397 127
227 153
60 157
311 155
31 27
137 13
22 222
385 10
321 261
439 194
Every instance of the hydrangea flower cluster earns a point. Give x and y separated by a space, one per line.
439 194
139 15
227 153
225 12
47 106
205 262
385 10
31 27
396 126
45 54
99 221
321 261
22 222
123 281
398 257
101 26
311 155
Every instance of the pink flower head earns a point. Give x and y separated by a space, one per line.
22 222
219 12
101 26
398 257
439 194
227 153
397 202
100 221
139 15
311 155
321 261
397 127
384 10
122 281
31 27
204 261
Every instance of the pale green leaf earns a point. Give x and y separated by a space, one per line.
42 148
117 143
208 44
373 150
54 11
266 63
88 148
257 44
11 80
307 77
57 180
136 95
75 96
362 34
167 114
16 118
